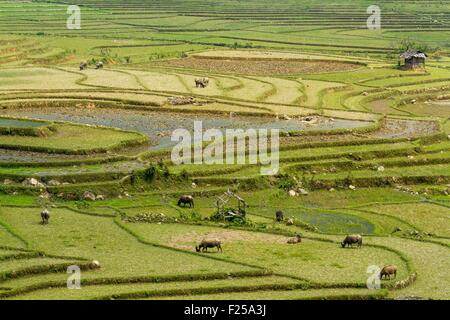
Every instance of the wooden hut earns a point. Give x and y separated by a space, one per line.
413 59
229 213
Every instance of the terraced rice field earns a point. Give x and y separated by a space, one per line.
365 145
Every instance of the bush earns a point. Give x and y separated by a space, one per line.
184 175
286 182
150 173
237 220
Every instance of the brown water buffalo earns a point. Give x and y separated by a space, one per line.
387 271
45 216
350 240
184 200
212 243
279 215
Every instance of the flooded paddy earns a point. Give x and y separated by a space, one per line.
158 126
17 123
436 108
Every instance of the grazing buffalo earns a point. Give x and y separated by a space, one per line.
99 65
351 240
279 215
184 200
294 240
83 65
205 244
45 216
201 82
387 271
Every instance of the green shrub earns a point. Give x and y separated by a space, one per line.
286 182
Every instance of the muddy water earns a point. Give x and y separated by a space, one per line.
159 126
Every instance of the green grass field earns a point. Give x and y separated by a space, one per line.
364 145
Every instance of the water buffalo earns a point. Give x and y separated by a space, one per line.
45 216
351 240
83 65
294 240
201 82
387 271
205 244
279 215
99 65
186 200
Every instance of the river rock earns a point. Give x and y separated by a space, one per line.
292 193
7 181
100 197
352 187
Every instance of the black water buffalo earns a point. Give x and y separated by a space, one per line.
184 200
45 216
201 82
279 215
83 65
205 244
351 240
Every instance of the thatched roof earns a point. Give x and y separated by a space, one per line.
413 54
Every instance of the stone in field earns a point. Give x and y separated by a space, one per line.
176 101
303 192
89 196
53 183
32 182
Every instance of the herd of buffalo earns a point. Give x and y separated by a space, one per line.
205 244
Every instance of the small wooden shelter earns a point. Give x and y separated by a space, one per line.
226 209
413 59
